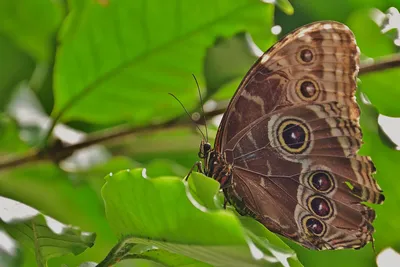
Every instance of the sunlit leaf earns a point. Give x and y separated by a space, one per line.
122 51
161 214
34 33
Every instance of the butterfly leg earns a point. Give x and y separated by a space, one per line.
225 202
199 166
226 199
373 246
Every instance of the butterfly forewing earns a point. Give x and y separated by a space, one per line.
287 144
286 76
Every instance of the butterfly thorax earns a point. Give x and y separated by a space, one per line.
215 165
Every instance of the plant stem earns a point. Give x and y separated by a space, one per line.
383 63
117 253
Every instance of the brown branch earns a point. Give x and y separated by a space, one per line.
58 152
31 156
383 63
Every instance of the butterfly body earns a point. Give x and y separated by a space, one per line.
286 149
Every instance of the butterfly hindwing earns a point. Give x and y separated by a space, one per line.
319 176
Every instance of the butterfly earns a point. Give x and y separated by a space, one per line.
286 149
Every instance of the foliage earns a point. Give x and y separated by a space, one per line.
161 214
34 234
75 74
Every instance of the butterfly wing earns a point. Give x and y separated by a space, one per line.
316 179
321 56
291 133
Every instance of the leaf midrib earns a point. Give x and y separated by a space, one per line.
38 253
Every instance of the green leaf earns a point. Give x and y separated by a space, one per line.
35 235
161 214
374 44
32 25
10 253
205 191
56 193
164 167
30 184
9 137
386 160
15 67
93 176
227 60
127 251
120 52
165 258
269 241
358 22
382 98
9 260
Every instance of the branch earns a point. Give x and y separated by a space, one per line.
58 152
31 156
383 63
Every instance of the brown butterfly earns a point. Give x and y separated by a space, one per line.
286 149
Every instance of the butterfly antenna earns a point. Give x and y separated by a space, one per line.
190 117
202 106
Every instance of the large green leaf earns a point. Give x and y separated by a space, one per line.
130 54
31 24
35 236
54 192
163 214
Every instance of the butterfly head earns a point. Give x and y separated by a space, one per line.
205 149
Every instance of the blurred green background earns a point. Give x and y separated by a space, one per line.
84 92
